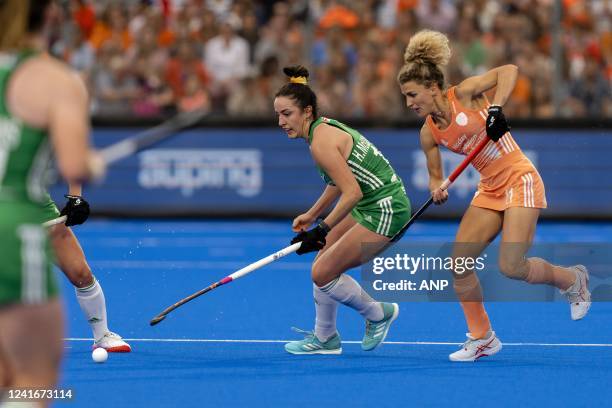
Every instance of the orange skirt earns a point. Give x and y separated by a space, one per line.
510 181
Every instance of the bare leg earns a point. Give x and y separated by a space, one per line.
326 308
517 236
31 344
89 293
479 226
346 253
70 257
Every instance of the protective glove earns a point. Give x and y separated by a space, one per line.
496 123
76 210
312 240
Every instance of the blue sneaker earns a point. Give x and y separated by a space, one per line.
312 345
377 331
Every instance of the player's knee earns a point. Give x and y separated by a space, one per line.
512 267
79 274
321 274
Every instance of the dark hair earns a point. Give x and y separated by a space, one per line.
36 17
301 93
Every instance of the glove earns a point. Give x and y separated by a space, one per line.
496 123
76 210
312 240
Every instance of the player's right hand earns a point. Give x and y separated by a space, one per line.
76 210
96 166
312 240
439 196
302 222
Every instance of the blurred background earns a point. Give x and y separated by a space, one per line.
152 57
146 60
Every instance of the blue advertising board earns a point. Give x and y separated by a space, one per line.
261 172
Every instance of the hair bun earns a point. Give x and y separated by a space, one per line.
296 71
428 47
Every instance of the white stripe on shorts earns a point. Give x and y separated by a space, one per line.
33 277
528 195
384 225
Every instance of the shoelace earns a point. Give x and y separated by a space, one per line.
576 296
371 328
113 335
306 333
468 342
109 334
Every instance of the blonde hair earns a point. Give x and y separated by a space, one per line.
425 58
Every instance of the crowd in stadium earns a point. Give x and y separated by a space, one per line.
146 58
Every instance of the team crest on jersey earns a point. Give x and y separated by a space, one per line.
461 119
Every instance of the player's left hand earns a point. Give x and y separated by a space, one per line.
439 196
312 240
497 126
76 210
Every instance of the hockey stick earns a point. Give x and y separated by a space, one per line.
238 274
141 141
445 185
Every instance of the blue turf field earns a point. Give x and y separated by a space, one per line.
225 349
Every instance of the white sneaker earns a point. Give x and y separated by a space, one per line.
578 294
473 348
113 343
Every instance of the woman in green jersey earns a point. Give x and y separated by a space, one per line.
42 103
371 208
70 258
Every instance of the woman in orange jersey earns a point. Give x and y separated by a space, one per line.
510 193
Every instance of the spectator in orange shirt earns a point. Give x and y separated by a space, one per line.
183 65
337 14
112 26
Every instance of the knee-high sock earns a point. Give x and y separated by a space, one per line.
93 305
326 311
541 271
469 292
348 292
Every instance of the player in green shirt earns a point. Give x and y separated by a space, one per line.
43 104
372 207
71 260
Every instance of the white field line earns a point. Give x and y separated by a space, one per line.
397 343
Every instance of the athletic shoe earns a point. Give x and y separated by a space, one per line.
578 295
377 331
473 349
312 345
113 343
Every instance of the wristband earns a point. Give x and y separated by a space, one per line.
324 226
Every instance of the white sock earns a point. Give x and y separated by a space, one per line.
348 292
326 308
93 305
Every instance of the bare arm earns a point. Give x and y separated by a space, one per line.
326 151
329 195
434 165
68 125
503 78
434 159
75 189
303 221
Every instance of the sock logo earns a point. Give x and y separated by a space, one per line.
94 320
